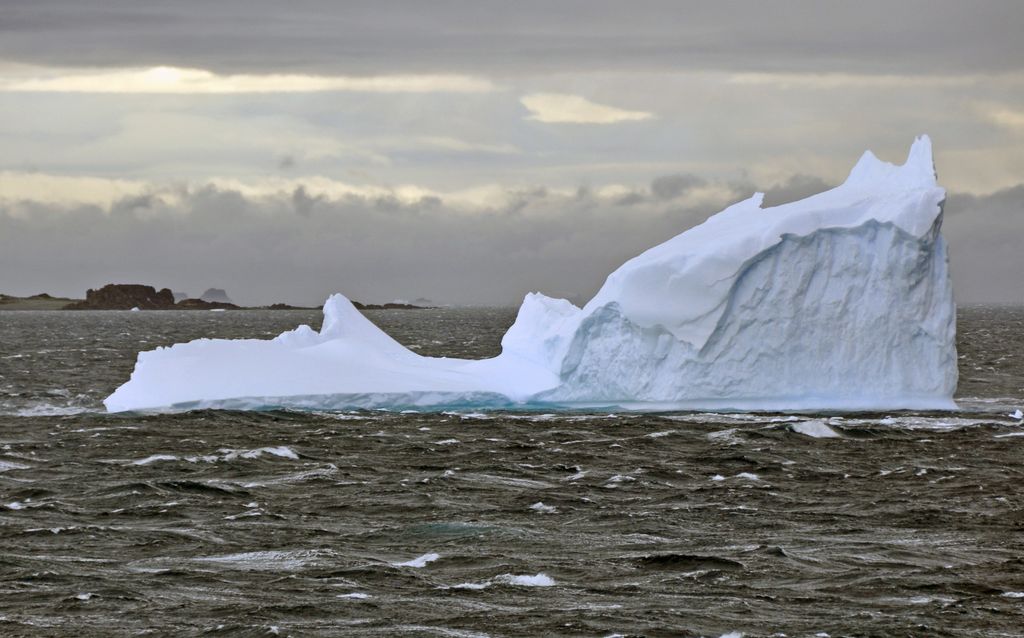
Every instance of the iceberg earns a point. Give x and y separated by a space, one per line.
840 301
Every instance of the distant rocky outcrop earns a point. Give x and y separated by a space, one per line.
180 296
285 306
216 295
200 304
11 299
131 296
388 306
125 297
42 301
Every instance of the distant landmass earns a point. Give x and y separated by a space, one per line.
143 297
41 301
203 304
393 305
125 297
216 295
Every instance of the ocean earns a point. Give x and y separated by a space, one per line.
490 523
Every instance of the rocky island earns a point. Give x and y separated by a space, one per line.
125 297
41 301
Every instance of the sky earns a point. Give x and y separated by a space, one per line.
471 152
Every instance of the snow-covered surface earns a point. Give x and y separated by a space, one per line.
839 301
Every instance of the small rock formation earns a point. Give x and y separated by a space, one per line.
125 297
216 295
391 305
42 301
200 304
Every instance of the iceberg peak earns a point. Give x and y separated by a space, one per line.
917 172
838 301
920 158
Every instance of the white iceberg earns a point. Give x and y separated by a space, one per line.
839 301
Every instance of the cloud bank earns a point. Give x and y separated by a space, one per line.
300 245
530 36
560 108
176 80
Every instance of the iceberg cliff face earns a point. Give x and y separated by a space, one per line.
839 301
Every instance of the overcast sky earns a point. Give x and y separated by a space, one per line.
470 152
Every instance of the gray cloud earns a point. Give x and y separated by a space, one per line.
984 234
378 249
672 186
303 202
373 249
875 36
286 162
707 125
796 187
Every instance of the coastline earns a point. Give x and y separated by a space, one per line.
44 301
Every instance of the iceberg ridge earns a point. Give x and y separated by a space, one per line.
839 301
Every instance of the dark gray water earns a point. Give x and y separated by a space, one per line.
689 524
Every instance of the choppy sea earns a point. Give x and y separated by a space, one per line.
464 524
